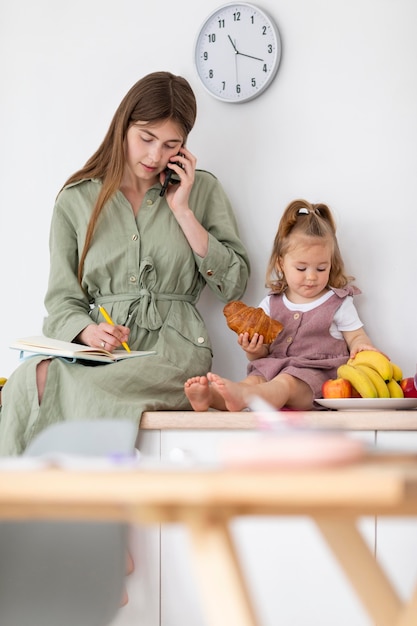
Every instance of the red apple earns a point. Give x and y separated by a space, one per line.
409 388
336 388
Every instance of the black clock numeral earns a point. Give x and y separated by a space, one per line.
270 49
265 68
236 16
212 38
223 85
238 88
211 73
221 23
253 82
205 56
264 29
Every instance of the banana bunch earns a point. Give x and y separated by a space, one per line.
373 375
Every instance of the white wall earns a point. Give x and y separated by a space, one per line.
338 125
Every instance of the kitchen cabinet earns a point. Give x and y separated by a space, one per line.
288 567
144 584
397 538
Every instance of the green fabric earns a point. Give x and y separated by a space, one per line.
145 273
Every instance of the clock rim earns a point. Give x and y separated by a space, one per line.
271 77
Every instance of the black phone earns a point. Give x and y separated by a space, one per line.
169 173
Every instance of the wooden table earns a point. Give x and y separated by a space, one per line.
207 499
225 420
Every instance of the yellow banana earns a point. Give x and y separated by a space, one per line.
360 381
397 372
376 360
3 381
395 389
380 384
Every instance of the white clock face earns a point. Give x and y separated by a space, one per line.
237 52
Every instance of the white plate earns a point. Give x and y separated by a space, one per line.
357 404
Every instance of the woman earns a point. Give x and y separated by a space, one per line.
116 241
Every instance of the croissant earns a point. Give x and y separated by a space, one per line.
248 319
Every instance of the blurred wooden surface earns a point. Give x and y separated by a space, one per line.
207 499
345 420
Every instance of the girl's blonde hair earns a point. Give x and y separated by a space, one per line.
312 220
154 98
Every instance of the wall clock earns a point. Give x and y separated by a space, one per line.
237 52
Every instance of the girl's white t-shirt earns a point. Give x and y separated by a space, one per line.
346 317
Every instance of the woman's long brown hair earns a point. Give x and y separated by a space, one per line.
156 97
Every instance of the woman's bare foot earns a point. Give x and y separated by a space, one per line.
197 391
232 393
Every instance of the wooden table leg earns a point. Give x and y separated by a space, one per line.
365 574
224 594
409 614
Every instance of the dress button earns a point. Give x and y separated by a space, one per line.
200 340
149 202
289 339
132 279
134 237
296 316
209 272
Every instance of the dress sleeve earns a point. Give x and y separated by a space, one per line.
226 266
346 317
66 303
265 304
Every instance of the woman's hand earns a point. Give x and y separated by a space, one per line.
183 164
104 335
177 198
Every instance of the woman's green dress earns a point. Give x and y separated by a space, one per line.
146 275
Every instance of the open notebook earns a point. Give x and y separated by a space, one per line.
73 351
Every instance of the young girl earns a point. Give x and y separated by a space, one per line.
311 296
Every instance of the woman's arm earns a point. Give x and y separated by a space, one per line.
67 305
225 267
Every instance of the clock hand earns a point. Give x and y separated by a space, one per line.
249 56
236 53
234 47
242 54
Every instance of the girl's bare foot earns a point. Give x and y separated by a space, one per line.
232 393
198 392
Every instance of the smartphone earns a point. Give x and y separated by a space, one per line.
169 173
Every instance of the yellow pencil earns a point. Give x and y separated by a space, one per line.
110 321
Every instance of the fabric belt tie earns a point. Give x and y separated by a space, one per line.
142 308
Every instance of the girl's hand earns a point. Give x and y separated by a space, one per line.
358 340
254 348
95 335
183 164
361 347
